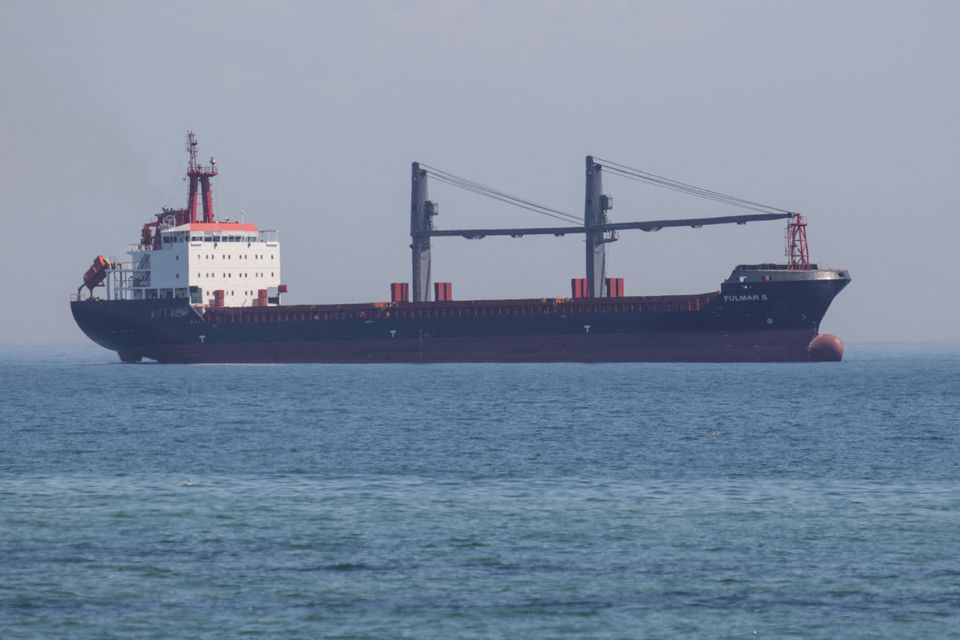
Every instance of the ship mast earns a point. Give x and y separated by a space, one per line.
199 176
595 217
798 253
422 211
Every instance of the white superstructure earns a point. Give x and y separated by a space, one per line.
196 260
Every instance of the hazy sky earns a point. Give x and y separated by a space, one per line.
846 111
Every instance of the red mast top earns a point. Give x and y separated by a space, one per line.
798 253
199 176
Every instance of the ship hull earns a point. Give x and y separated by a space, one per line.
754 321
714 346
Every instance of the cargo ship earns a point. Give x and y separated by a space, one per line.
198 289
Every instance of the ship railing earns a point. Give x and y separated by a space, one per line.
268 235
121 279
547 307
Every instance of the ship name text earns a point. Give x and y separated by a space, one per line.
755 297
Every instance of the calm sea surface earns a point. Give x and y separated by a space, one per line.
480 501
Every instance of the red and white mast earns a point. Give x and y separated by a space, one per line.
199 176
798 253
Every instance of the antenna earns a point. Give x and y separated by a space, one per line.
192 150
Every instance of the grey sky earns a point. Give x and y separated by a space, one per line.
846 111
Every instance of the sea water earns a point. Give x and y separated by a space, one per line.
480 501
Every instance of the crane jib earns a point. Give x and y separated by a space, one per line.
647 225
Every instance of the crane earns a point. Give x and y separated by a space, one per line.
595 224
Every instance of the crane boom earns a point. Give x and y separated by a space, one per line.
646 225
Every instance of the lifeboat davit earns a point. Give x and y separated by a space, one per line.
97 273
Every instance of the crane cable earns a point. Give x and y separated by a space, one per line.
615 168
624 171
495 194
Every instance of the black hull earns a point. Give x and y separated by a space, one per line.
745 346
746 322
